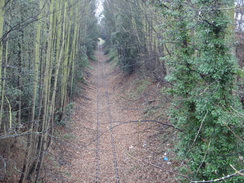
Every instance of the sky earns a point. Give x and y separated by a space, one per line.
99 9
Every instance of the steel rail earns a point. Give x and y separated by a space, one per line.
115 160
98 134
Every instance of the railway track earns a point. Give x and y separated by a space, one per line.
98 135
104 95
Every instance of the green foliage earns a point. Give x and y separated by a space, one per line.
203 75
66 113
112 55
122 31
45 46
125 42
142 86
240 72
92 33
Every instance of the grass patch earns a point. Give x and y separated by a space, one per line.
53 161
93 58
67 174
112 55
69 136
111 58
90 67
140 87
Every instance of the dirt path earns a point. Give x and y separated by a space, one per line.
98 147
102 155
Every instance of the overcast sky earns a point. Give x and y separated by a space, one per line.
99 8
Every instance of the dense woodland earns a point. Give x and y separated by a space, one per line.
44 47
189 46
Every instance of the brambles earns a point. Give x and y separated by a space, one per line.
202 71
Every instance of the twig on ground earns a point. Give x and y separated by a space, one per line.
4 163
143 121
156 166
222 178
